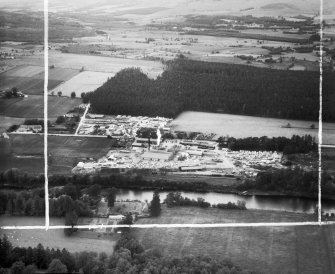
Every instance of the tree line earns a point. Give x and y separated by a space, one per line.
32 203
176 199
293 180
16 181
295 144
216 87
129 256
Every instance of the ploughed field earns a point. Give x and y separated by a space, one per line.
55 238
239 126
299 249
33 106
26 152
30 79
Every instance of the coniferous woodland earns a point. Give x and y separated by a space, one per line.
129 256
216 87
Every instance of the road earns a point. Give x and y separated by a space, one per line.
82 119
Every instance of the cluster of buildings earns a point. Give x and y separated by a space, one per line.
249 162
196 157
7 55
120 126
150 151
29 129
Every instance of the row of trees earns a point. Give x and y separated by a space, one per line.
14 179
216 87
94 183
129 257
295 144
176 199
31 203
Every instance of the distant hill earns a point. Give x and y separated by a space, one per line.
144 10
280 6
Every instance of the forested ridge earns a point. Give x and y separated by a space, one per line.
216 87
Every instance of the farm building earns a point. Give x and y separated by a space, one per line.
195 152
192 168
29 128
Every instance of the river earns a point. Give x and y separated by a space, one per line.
283 203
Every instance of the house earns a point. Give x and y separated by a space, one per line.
30 128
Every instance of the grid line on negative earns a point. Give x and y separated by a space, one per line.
320 116
45 116
190 225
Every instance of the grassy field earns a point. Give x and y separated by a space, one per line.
30 79
84 82
240 126
33 107
6 122
26 152
55 238
305 249
66 152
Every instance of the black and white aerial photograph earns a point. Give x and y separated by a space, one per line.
167 136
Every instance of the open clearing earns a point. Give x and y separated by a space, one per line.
26 152
55 238
240 126
33 107
84 82
30 79
305 249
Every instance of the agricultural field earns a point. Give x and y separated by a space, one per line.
89 62
55 238
84 82
300 249
239 126
30 79
6 122
26 152
133 43
66 152
33 106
